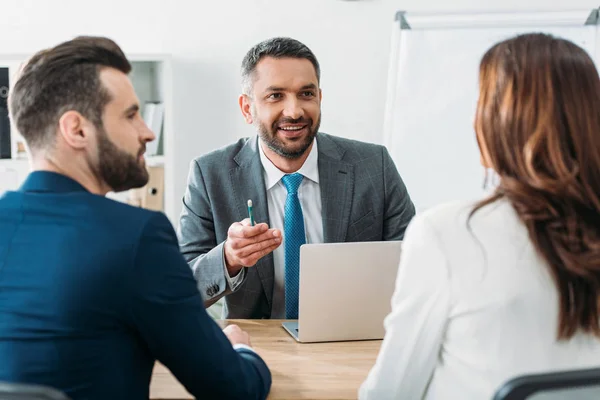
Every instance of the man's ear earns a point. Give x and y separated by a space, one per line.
74 129
246 108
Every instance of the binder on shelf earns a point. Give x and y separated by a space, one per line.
153 114
150 196
5 141
153 196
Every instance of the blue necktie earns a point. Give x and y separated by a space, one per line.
293 230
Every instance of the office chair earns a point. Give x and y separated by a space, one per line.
18 391
572 385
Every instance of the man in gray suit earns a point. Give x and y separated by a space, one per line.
305 186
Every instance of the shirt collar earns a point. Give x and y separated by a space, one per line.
310 168
46 181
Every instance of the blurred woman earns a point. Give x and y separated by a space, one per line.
511 285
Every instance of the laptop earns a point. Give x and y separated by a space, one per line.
345 291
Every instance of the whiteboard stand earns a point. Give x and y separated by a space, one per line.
433 90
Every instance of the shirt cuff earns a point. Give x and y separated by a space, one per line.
243 346
235 281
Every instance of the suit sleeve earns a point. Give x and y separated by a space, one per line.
415 328
170 317
399 208
198 241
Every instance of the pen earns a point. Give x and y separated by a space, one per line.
250 214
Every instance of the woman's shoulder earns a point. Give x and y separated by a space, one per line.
450 221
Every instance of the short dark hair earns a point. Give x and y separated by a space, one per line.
59 79
278 47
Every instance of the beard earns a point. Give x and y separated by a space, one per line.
117 168
269 137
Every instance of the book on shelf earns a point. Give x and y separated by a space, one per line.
153 114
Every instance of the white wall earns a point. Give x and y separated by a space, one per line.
207 40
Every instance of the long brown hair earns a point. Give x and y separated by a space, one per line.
538 126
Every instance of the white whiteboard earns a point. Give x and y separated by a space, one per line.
433 90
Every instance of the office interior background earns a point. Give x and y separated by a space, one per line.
188 55
205 42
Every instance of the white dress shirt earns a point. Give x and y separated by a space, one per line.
472 308
309 194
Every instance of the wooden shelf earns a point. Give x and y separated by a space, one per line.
154 161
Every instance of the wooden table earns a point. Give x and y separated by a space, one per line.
300 370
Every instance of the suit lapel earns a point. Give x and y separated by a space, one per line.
248 183
337 186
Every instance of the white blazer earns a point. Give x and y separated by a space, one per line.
472 308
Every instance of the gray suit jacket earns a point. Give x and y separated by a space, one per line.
363 199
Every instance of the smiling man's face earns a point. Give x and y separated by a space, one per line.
286 104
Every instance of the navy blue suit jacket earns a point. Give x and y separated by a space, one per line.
93 291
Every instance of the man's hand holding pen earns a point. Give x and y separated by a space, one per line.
246 244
